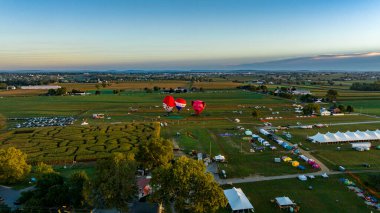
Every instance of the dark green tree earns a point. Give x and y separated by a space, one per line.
342 108
114 183
155 152
77 184
187 183
350 109
332 95
255 113
309 109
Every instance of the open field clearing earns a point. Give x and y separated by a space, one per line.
21 92
328 195
66 144
241 162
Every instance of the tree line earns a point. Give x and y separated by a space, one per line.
183 182
366 86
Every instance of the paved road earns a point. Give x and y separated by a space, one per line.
10 195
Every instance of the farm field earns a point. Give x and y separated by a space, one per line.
196 132
58 145
133 85
327 195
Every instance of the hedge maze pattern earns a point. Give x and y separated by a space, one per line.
57 144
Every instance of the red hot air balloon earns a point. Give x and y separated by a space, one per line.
198 106
168 103
180 103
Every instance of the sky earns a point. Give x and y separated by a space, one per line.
180 34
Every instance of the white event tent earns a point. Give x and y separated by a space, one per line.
237 200
358 136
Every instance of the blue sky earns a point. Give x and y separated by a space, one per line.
178 34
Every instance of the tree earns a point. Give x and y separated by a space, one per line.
51 92
51 190
116 91
350 109
76 91
114 183
77 188
97 92
331 95
255 113
309 109
155 152
61 91
308 98
104 84
97 86
264 88
42 168
341 108
3 85
48 180
188 184
13 166
156 88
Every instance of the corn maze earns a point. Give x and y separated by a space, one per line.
63 144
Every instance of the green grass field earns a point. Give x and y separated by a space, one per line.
137 106
328 195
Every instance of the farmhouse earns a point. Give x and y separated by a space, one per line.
338 137
325 112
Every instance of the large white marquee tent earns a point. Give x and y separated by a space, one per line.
346 136
237 200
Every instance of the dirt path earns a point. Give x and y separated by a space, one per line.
280 177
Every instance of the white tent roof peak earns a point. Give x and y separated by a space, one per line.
237 199
346 137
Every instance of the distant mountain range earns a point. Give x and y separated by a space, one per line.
344 62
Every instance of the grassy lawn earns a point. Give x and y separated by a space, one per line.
71 169
241 162
328 195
